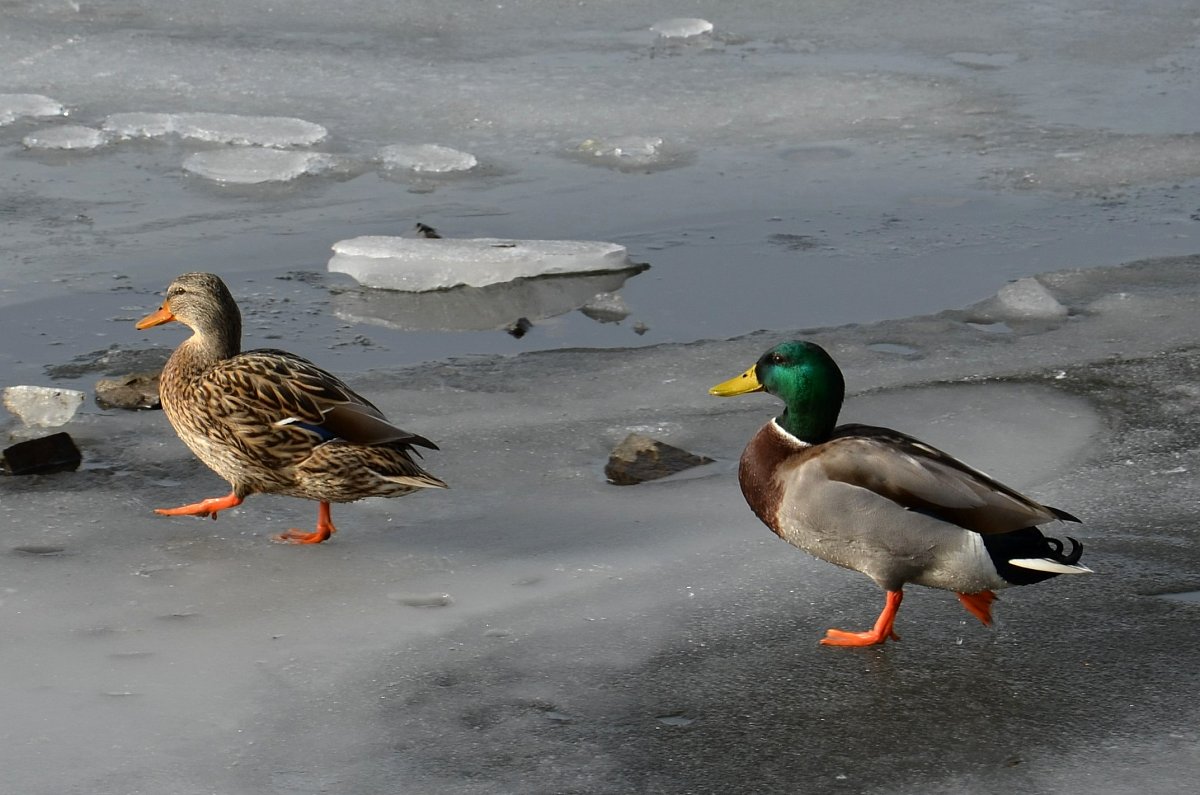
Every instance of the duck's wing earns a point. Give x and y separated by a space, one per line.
922 478
276 388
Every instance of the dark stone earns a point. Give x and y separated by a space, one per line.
54 453
639 458
519 327
133 391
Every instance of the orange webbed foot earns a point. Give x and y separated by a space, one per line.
207 507
324 530
881 632
839 637
979 605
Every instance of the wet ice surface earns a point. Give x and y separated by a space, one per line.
534 630
527 630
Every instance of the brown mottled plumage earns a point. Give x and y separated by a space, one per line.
270 422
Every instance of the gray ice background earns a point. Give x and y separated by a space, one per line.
863 171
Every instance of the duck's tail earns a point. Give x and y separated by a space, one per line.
1026 556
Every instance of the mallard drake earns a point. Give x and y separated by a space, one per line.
883 503
270 422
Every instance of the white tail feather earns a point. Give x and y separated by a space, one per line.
1052 566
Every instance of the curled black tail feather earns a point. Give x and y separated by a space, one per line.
1071 558
1028 542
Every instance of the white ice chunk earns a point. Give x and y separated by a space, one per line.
70 136
630 147
682 27
16 106
252 166
249 130
429 158
1028 299
420 264
227 128
43 406
139 125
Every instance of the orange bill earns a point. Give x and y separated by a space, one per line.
163 315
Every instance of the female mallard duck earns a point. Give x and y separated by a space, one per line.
883 503
270 422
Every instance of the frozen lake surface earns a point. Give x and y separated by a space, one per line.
863 170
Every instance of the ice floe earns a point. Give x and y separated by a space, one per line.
228 128
628 152
69 136
17 106
427 158
419 264
43 406
682 27
252 166
139 125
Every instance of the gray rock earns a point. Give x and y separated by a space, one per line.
133 391
639 458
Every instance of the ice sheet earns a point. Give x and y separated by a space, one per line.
454 642
869 176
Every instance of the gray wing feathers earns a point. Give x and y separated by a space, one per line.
924 479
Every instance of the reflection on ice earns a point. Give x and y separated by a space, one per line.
468 308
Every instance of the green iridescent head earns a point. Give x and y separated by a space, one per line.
805 378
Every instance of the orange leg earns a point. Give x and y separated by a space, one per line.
207 507
881 632
324 530
979 605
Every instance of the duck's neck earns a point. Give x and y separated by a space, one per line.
203 350
812 412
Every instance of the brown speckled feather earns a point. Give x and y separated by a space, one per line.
269 421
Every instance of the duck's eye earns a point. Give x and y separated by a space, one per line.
775 358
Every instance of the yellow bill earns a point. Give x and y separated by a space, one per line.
738 385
